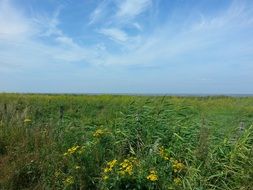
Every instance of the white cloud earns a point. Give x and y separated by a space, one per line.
118 15
65 40
129 9
137 26
117 12
12 24
21 36
115 34
238 15
100 12
95 15
215 37
48 24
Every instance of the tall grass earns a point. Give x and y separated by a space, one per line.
125 142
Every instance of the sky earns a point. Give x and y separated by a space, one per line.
126 46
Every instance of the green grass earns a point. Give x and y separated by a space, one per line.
125 142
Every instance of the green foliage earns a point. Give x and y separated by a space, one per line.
26 176
125 142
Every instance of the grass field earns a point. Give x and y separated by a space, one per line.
125 142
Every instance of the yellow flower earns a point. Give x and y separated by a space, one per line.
177 180
98 133
112 163
110 166
178 166
106 170
27 120
81 150
126 167
57 173
105 177
77 167
163 153
71 150
152 176
69 181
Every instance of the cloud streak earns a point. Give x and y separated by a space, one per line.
115 34
124 16
129 9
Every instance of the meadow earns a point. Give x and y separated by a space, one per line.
125 142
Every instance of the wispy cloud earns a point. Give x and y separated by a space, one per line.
115 34
122 16
48 24
215 38
129 9
23 37
100 11
137 26
238 15
12 24
115 11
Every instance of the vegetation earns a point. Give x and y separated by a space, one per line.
125 142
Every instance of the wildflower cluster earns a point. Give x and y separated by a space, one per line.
69 181
98 133
177 180
163 154
152 176
126 167
105 177
72 150
57 173
109 166
177 166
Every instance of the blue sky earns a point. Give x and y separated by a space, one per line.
126 46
